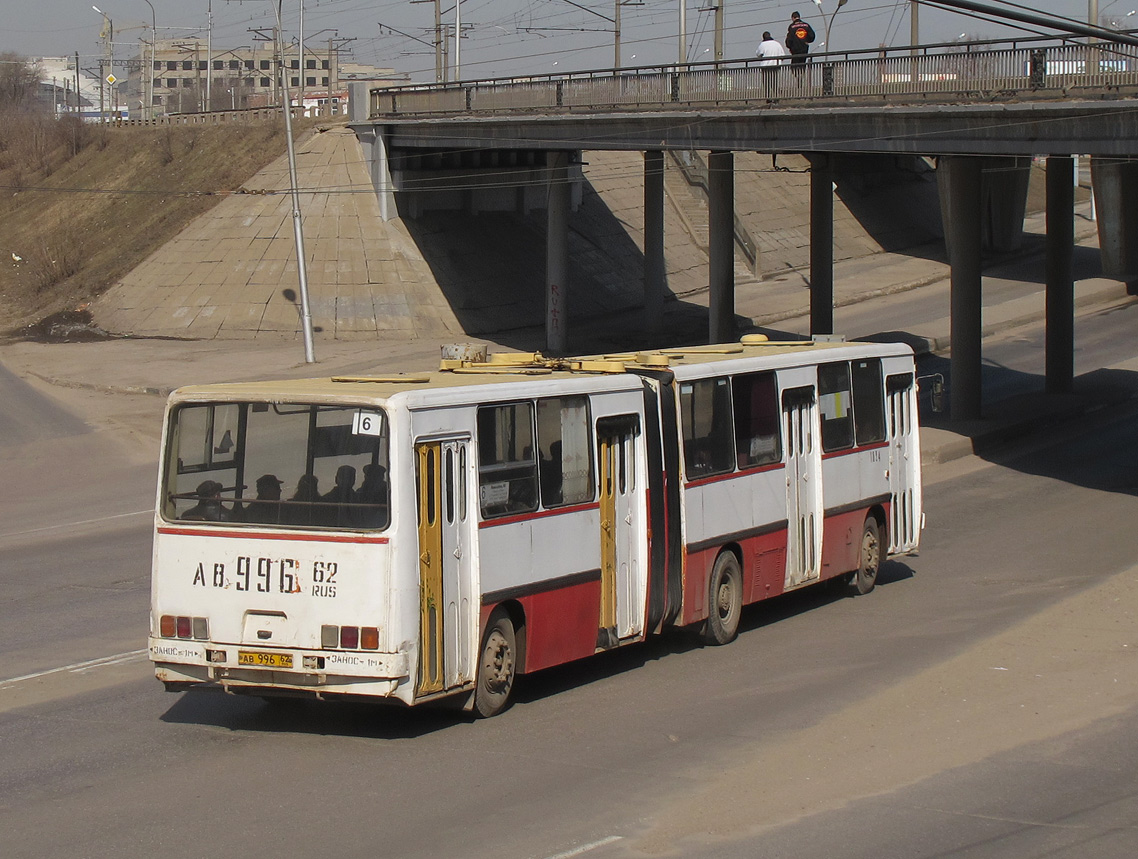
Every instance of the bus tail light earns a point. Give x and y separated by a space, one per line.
349 637
179 626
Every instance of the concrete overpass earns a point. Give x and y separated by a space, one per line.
983 113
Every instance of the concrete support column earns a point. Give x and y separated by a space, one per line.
557 256
1004 186
958 177
654 277
1115 186
721 246
821 245
1060 337
374 149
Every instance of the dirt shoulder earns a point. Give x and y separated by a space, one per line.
1063 669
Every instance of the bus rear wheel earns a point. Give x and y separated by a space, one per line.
869 559
725 600
497 666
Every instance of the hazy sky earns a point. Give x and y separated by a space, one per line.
502 37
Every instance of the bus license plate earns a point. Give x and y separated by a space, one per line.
264 660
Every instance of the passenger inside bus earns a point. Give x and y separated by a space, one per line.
209 507
340 501
266 509
298 509
371 497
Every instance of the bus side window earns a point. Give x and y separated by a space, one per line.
869 401
835 404
756 420
564 451
705 414
507 468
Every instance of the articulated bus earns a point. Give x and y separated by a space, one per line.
413 538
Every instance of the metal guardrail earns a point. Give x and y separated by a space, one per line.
1025 68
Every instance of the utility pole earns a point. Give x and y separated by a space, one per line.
208 56
148 84
439 65
616 37
683 55
719 30
297 221
457 40
300 94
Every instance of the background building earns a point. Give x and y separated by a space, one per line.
188 79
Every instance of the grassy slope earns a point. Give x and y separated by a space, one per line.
81 222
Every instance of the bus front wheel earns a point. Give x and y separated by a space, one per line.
869 561
725 600
496 666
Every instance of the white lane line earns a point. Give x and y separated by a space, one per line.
149 512
585 848
79 667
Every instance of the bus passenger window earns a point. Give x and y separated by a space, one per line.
565 447
835 405
507 470
869 401
756 420
705 413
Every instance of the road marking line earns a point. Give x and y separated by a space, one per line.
78 667
149 512
585 848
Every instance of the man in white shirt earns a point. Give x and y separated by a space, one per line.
770 53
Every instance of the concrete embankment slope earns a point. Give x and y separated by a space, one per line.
232 273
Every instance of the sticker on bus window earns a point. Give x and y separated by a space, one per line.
833 406
367 423
495 493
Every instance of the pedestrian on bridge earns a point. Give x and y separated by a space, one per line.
799 35
770 53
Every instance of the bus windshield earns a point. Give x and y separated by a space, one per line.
277 464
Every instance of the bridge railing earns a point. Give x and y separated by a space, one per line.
938 72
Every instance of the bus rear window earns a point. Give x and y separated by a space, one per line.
292 465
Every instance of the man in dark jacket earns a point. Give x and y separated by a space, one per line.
799 35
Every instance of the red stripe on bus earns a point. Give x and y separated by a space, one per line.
266 535
731 475
862 449
541 514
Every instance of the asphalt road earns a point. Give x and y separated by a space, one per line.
907 723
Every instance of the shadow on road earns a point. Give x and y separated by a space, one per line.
394 722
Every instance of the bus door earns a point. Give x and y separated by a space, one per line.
621 609
803 485
446 564
904 464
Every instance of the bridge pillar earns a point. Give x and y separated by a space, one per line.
375 156
1115 185
1003 202
557 255
721 246
821 244
958 179
654 277
1060 336
1003 185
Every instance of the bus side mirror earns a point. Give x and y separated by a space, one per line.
935 384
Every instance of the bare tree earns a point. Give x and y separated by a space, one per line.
19 81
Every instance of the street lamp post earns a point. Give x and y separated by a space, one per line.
829 21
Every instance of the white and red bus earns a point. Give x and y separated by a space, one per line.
419 537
